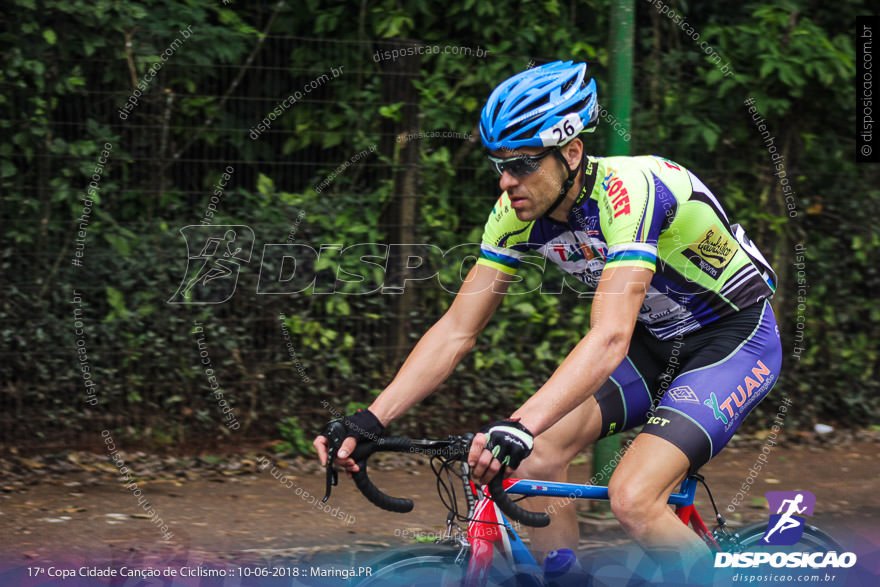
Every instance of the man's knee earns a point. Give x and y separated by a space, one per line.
631 505
558 446
547 462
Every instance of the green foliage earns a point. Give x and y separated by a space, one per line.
294 438
67 70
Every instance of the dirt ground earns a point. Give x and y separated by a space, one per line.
73 507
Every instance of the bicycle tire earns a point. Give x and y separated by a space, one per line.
813 540
418 564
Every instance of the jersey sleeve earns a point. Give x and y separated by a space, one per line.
630 218
505 238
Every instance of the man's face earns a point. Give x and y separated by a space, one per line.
532 195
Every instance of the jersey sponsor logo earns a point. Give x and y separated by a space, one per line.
716 247
617 194
683 393
656 316
712 252
569 248
560 250
660 309
500 208
576 252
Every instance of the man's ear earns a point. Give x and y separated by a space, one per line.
573 152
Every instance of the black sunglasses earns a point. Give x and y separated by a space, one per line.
520 165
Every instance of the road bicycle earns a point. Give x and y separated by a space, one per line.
489 551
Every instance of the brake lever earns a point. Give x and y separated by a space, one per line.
335 433
332 476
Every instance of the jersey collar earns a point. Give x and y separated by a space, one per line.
591 170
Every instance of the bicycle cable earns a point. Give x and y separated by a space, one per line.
718 517
448 497
447 492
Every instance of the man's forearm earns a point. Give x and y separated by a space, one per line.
428 365
579 376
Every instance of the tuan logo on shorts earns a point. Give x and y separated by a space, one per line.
786 526
761 378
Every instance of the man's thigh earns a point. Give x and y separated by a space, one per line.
557 446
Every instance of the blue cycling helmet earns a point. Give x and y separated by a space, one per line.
546 106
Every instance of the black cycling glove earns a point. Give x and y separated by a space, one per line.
509 441
362 425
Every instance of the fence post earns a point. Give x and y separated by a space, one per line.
619 100
401 216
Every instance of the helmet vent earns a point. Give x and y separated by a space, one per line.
574 108
534 105
509 131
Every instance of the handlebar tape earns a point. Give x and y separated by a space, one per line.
402 505
510 509
361 452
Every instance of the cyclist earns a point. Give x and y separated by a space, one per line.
682 339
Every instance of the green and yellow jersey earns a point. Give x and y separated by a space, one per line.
643 212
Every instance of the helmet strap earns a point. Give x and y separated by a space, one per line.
566 185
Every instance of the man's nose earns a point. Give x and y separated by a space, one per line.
507 181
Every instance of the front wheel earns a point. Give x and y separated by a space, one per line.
419 564
813 540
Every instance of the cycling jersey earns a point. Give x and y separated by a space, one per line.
643 212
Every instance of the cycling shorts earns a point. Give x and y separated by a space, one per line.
694 390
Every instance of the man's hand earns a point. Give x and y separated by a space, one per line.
506 442
362 425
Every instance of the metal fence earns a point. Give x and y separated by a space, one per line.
166 159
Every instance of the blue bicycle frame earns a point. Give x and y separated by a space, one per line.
485 534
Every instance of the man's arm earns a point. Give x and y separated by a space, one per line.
437 353
616 306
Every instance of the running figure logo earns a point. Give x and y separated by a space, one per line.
212 273
786 526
